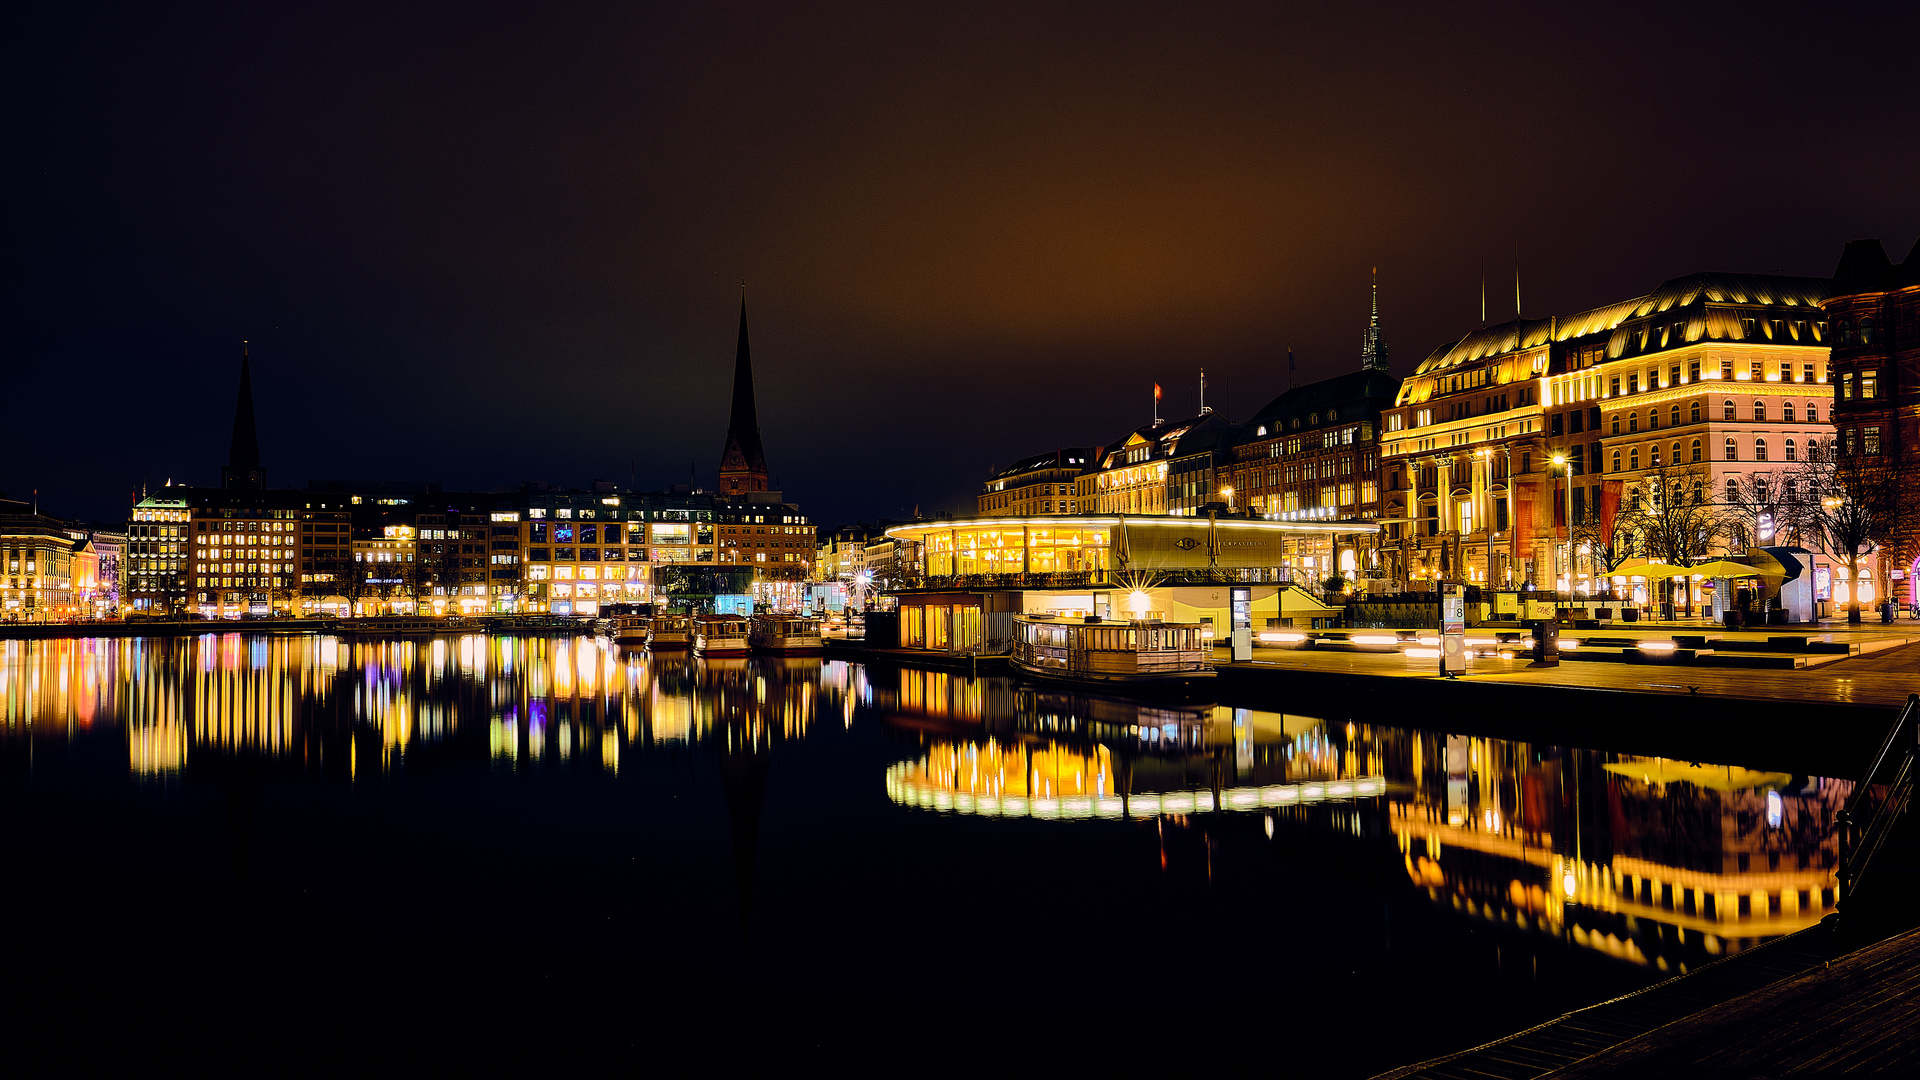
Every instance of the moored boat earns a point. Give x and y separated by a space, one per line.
786 634
721 635
631 630
1114 653
669 633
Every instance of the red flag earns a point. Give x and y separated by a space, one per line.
1156 392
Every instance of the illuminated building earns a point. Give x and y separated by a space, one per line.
1313 454
975 575
1042 484
157 553
40 562
580 549
1468 470
384 581
101 591
1875 313
1133 475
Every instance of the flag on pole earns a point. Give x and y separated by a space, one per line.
1156 393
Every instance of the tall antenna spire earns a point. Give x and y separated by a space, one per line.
1516 279
1373 350
1483 290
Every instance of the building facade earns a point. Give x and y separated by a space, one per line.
1503 445
40 563
1874 310
1042 484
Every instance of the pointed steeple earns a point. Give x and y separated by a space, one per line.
243 453
1373 350
743 463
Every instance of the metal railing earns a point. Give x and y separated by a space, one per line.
1066 579
1873 811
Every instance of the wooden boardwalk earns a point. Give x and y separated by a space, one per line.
1587 1034
1859 1016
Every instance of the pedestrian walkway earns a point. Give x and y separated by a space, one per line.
1858 1015
1883 678
1579 1037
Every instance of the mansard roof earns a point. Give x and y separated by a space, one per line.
1365 390
1707 303
1079 458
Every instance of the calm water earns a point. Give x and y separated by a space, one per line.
268 849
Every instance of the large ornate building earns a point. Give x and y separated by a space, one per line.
1503 444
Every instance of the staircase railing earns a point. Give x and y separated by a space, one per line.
1871 813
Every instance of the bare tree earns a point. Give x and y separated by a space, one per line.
1850 498
1673 517
1609 540
1757 510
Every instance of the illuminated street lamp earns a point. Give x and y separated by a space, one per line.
1566 471
1227 494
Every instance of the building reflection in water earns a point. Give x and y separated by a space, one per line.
1655 862
1659 863
366 707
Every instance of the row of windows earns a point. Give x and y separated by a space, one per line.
1728 411
1694 452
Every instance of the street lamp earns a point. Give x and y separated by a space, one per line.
1566 471
1227 493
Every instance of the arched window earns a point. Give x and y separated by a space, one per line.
1696 449
1759 411
1332 415
1633 422
1653 418
1633 459
1616 461
1653 455
1786 411
1846 332
1733 490
1676 454
1727 410
1790 451
1866 331
1696 493
1759 449
1674 418
1695 417
1813 413
1733 452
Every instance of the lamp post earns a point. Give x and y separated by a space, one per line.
1566 471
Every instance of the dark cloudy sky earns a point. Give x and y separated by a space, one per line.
482 244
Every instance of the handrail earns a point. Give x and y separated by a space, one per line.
1859 846
1908 713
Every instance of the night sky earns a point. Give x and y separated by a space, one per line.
482 245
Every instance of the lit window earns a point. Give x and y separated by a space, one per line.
1733 452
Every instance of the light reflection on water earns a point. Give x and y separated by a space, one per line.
1656 864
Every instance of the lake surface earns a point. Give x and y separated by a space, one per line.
259 850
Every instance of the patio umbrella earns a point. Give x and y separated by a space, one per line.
1721 568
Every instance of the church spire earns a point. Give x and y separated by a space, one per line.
243 453
743 463
1373 350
